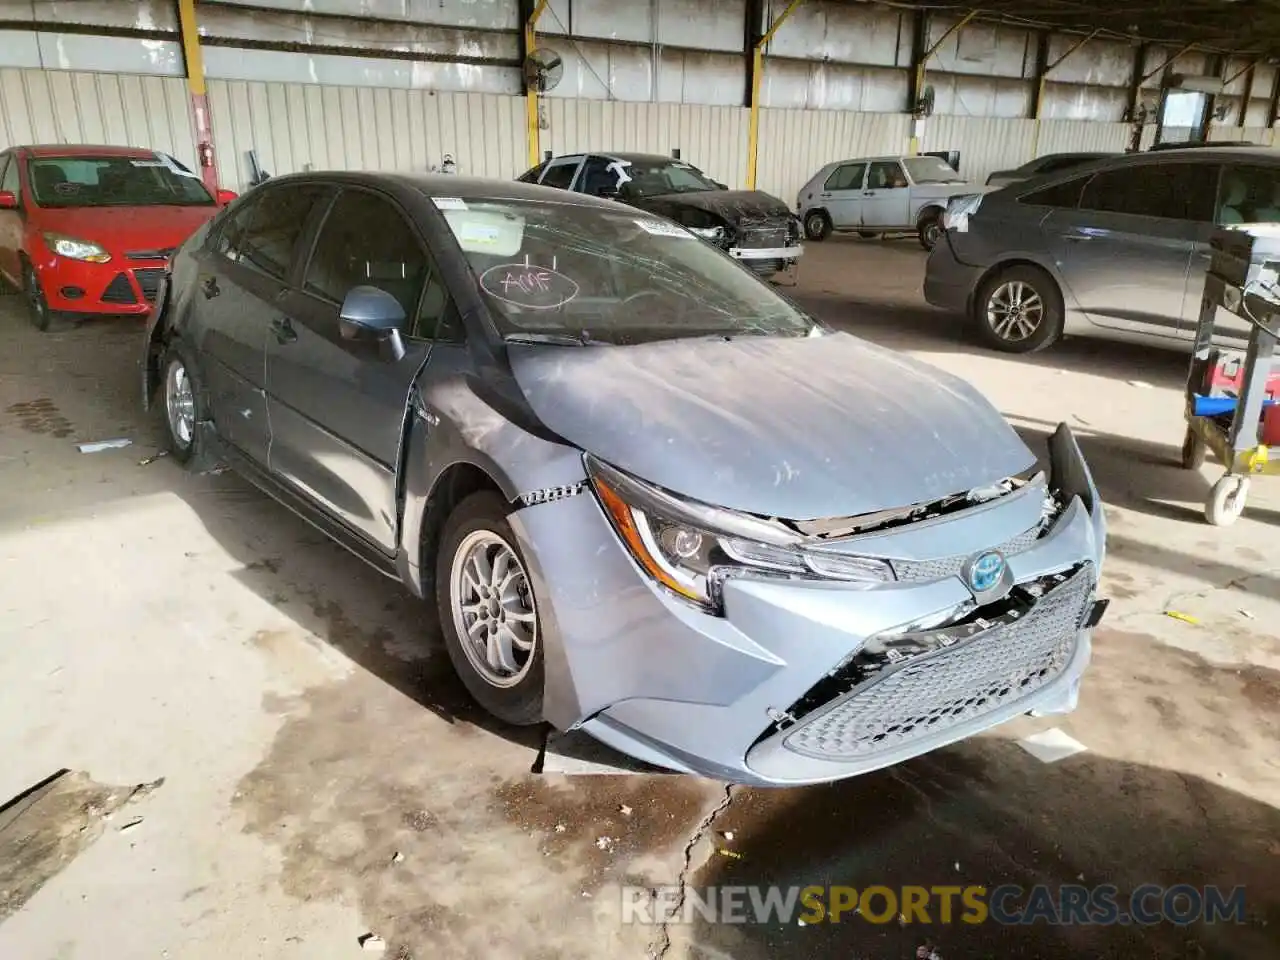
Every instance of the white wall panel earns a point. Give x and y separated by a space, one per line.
986 144
485 14
983 49
797 84
794 144
1070 101
296 127
73 51
714 139
1068 136
841 32
51 106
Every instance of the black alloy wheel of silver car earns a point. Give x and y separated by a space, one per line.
37 306
817 225
1019 310
181 405
929 228
488 612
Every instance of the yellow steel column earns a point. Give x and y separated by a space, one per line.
757 69
530 93
191 53
920 67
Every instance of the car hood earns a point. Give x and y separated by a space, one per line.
731 205
121 229
797 428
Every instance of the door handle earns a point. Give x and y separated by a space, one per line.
210 287
825 196
283 330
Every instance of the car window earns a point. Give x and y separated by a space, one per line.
263 232
531 176
1065 194
366 241
847 176
596 176
11 180
147 181
638 178
928 169
560 174
1173 191
886 175
437 318
1249 194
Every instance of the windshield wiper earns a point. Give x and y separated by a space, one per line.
559 339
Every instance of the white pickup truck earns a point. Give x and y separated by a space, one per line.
880 195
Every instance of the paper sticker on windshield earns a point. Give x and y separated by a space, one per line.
448 203
531 287
147 163
661 229
478 234
174 167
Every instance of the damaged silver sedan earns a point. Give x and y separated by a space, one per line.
650 498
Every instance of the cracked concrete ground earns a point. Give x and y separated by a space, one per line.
325 777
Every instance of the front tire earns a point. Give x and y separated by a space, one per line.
1019 310
182 405
37 306
817 225
929 230
488 612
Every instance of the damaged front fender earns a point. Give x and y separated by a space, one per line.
1070 478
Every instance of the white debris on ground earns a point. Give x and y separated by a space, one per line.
1050 746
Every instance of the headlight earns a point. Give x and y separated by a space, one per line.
74 249
707 233
691 548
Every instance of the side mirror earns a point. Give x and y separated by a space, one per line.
370 313
609 191
225 196
8 200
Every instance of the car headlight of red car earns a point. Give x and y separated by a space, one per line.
74 249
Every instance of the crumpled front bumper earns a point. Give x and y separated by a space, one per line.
651 675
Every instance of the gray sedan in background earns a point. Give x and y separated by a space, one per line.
1116 248
649 497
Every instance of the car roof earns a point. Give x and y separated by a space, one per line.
451 186
84 150
627 156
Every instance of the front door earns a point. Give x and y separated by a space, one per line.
1126 249
842 195
242 280
337 406
887 198
10 220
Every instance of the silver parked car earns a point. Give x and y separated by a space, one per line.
1116 248
650 498
880 195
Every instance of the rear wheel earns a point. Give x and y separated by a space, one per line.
817 225
1019 310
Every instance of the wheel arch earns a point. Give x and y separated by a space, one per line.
996 268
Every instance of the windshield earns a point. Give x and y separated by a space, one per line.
114 182
654 178
931 170
553 271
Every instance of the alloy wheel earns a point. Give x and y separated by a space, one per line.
493 609
180 404
1015 311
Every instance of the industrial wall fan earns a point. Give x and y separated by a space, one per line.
543 69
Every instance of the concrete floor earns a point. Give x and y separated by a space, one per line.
158 624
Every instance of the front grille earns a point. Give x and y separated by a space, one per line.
926 571
149 281
764 268
758 238
930 693
119 290
161 254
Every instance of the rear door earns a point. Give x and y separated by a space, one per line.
887 197
1125 250
560 172
338 406
1248 193
242 278
842 195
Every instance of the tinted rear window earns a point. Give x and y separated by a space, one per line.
1173 191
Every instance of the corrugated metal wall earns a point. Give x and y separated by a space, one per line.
714 139
1066 136
295 127
55 106
795 143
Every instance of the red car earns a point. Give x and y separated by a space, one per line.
86 231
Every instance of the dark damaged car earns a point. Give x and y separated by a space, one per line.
649 497
751 226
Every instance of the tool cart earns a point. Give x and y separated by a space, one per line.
1233 401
